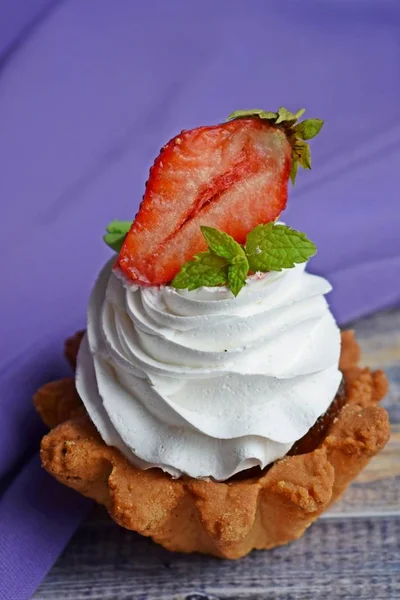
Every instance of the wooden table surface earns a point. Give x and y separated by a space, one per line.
353 551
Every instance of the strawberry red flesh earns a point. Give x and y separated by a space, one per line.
231 176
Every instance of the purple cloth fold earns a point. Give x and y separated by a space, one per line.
88 95
37 518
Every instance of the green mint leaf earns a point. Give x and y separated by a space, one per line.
308 129
116 234
119 226
221 243
237 274
114 240
206 269
275 247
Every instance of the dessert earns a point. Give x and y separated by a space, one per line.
216 406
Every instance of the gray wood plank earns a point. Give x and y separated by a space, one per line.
356 558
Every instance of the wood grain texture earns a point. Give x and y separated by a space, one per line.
353 551
334 560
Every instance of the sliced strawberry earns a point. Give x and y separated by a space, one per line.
231 176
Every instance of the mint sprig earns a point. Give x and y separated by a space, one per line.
296 133
221 243
116 234
206 269
270 247
274 247
237 273
225 263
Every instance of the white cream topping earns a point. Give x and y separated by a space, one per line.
205 384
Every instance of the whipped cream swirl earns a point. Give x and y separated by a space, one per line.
205 384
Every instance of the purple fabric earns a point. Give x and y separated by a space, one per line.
88 95
32 523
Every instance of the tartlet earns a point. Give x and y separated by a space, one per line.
229 519
215 407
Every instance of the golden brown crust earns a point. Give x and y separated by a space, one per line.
224 519
355 437
71 348
365 387
58 401
350 351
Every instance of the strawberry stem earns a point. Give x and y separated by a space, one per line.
296 132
